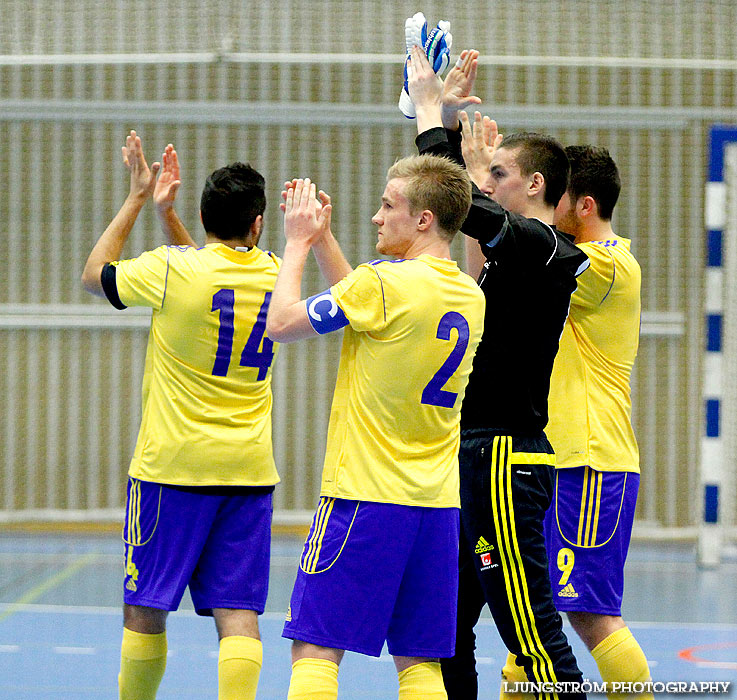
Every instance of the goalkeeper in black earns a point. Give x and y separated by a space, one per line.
527 271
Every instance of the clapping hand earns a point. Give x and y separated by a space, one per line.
457 88
143 178
167 185
479 145
305 218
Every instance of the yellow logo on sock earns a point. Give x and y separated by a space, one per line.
483 546
568 592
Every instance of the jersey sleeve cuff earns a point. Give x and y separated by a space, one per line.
110 287
431 139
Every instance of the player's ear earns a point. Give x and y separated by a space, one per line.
425 220
537 183
254 231
587 206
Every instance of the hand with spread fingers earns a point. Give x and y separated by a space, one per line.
479 145
457 88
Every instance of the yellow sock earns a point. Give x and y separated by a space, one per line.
513 673
620 658
313 679
239 665
422 681
142 664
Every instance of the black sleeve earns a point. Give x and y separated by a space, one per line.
486 220
440 142
110 287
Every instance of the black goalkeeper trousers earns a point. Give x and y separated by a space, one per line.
506 487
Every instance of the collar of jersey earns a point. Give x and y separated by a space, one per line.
619 240
236 256
443 264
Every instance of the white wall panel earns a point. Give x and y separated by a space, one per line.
310 90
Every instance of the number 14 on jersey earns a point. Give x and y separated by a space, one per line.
253 354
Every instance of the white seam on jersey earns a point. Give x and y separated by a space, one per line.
555 238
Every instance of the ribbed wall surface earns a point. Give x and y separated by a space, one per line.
222 83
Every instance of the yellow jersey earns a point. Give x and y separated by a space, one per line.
589 404
394 429
206 417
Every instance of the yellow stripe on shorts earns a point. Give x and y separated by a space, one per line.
321 522
313 536
138 535
513 566
597 508
589 508
133 536
323 529
582 513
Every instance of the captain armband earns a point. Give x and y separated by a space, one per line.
324 313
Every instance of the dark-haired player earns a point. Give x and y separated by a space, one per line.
202 475
507 465
598 466
597 477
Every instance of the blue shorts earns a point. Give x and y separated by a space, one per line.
587 532
371 572
215 539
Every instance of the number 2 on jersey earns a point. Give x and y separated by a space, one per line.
434 394
224 302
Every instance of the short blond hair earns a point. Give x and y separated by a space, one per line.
438 184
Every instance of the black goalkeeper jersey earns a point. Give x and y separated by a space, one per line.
528 278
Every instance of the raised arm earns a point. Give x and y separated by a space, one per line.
486 220
443 137
304 223
425 89
164 195
109 246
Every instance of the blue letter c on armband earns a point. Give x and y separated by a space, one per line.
324 313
